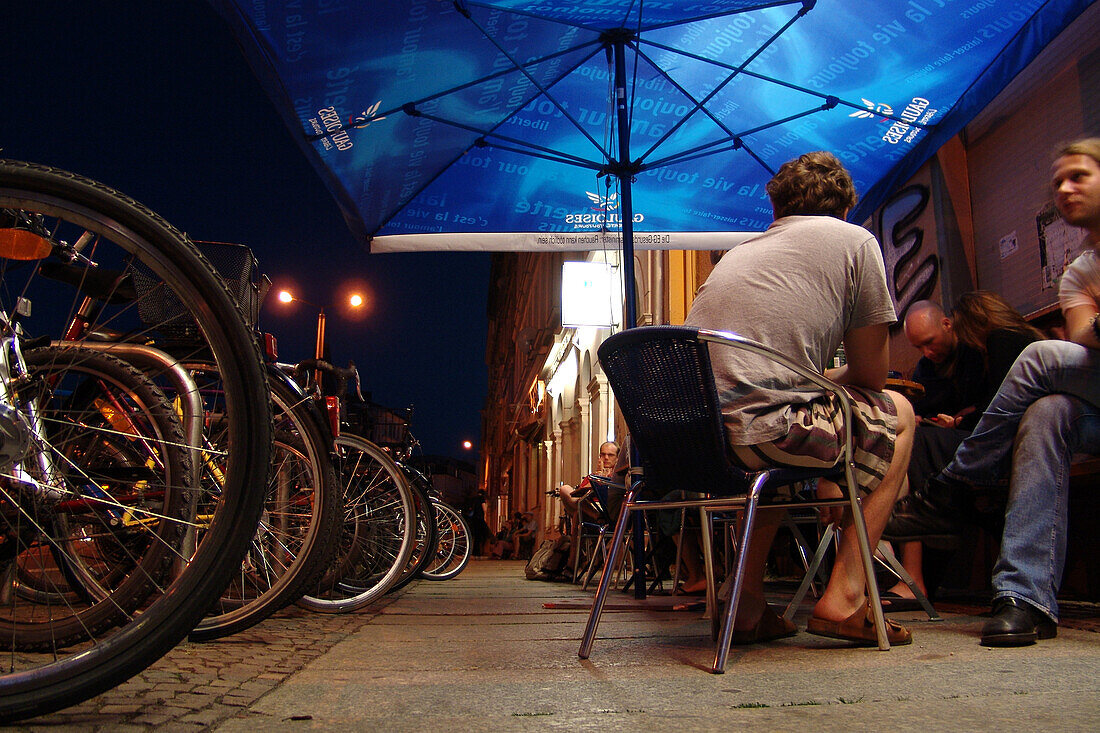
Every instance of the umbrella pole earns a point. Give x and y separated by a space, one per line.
625 175
624 172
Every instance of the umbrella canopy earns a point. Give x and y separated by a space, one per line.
577 124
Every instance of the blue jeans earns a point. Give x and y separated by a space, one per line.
1043 368
1033 547
1044 412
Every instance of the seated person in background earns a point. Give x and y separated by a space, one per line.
965 359
573 497
1046 409
808 284
524 538
950 372
501 546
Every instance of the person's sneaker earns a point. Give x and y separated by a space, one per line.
1016 623
930 512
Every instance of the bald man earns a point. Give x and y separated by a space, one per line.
951 372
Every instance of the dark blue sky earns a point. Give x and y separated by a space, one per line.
156 100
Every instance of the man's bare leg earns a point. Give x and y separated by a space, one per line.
846 592
751 604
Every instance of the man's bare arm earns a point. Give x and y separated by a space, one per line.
868 353
1079 326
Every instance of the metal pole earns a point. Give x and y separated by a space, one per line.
319 350
625 175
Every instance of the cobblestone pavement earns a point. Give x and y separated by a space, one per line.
196 686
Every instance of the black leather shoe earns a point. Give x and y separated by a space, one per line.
931 512
1016 623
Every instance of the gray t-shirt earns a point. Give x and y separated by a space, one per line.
798 288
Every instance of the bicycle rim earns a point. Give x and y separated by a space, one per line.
453 548
378 533
296 534
427 533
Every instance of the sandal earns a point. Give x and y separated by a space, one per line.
860 628
770 627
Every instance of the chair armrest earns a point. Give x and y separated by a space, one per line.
737 341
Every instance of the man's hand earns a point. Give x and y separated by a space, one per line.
944 421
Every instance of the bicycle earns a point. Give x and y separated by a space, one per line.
101 569
378 535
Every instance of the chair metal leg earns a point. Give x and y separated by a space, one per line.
864 542
884 555
576 536
891 561
617 546
679 552
723 650
803 554
599 548
811 572
706 532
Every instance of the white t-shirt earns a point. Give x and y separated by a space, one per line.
798 288
1081 282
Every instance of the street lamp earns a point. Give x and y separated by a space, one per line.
285 296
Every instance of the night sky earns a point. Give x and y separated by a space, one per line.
156 100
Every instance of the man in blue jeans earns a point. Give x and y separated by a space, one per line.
1045 410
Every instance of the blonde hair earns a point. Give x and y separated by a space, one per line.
1089 146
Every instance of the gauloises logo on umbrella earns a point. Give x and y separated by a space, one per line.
872 109
604 213
328 120
918 111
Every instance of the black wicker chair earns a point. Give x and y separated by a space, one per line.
663 383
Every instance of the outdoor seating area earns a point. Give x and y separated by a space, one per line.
753 346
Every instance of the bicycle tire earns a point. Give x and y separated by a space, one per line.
454 547
427 534
294 540
378 534
123 235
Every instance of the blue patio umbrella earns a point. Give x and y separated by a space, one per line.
590 124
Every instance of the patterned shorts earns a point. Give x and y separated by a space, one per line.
816 439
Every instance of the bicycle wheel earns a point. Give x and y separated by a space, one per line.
300 521
426 532
76 250
111 540
379 529
453 548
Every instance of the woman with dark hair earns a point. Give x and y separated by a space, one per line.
987 322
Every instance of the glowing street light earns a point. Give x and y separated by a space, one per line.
467 444
285 296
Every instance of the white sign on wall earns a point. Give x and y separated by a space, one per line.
591 294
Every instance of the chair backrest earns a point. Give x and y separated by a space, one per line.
663 383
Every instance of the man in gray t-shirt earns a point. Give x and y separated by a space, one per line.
807 285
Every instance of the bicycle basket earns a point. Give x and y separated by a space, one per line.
160 308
